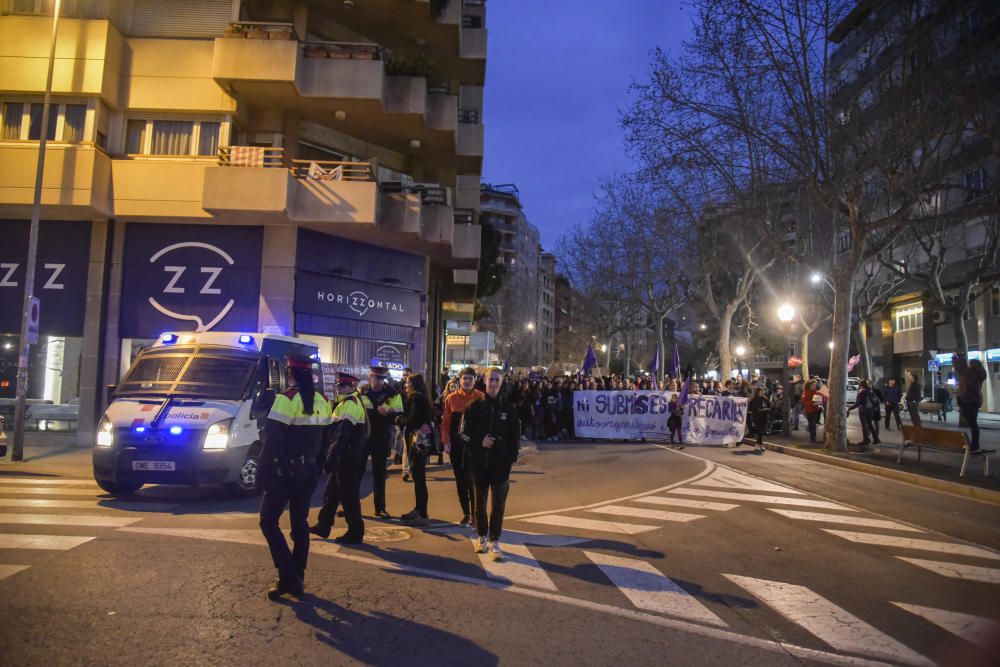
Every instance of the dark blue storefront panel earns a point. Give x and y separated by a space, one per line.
335 256
190 278
332 297
60 275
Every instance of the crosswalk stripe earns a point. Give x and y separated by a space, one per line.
826 621
96 503
11 570
723 477
753 498
49 542
591 524
975 629
647 588
987 575
644 513
237 535
68 520
56 491
685 502
518 567
949 548
844 518
41 480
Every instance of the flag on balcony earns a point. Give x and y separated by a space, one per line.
589 360
655 368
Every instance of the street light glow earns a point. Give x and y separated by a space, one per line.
703 327
740 351
815 278
604 347
786 312
530 326
830 344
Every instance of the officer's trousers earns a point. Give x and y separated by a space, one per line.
331 501
350 468
296 495
380 451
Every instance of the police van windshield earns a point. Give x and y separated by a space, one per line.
195 372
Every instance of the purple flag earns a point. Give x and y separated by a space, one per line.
683 399
655 367
676 372
590 360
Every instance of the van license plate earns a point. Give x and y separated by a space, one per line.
153 465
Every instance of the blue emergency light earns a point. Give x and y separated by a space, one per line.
140 429
175 430
246 339
169 338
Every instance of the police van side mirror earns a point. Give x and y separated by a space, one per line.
262 404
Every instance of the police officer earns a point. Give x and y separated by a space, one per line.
289 471
384 406
346 462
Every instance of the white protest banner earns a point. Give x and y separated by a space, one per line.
631 415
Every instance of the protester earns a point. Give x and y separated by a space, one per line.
892 395
418 429
676 411
795 397
811 407
867 404
971 376
913 394
455 406
759 411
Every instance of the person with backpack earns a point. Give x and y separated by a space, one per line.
867 404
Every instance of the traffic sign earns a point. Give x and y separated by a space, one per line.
933 366
33 311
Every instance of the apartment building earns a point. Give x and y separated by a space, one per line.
309 168
891 58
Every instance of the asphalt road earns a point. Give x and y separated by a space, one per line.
617 553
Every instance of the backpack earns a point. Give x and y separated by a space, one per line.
872 402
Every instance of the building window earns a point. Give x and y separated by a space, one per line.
13 113
909 319
74 117
844 242
975 184
145 136
22 121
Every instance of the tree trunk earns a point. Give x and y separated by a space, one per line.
958 324
835 421
804 355
628 354
658 353
861 340
725 356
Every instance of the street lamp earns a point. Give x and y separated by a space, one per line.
830 345
786 313
703 327
740 351
815 278
530 326
604 347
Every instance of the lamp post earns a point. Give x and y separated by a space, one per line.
786 313
740 351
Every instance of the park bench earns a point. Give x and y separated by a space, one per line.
929 407
956 442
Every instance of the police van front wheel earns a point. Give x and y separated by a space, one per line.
246 481
119 488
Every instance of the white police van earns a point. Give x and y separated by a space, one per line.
191 409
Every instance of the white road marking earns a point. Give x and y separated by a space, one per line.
685 502
11 570
518 567
949 548
770 500
724 477
720 634
87 504
643 513
591 524
828 622
516 536
845 518
43 480
975 629
54 491
48 542
239 536
68 520
647 588
987 575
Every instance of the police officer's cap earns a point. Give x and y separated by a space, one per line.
380 371
468 370
346 379
299 360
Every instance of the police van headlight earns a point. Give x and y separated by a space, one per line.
105 433
217 436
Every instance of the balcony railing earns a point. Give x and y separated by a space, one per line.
262 30
342 50
430 195
470 116
318 170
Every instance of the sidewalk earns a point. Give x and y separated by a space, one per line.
937 469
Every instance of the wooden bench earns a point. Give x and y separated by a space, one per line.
942 440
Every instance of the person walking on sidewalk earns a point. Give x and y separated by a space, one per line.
892 395
913 394
811 408
289 471
455 405
795 397
971 376
418 434
492 433
867 405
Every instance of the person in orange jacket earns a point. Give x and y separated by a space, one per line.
455 405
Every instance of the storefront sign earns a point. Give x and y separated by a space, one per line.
190 278
993 355
350 299
631 415
60 275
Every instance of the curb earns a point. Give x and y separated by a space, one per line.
944 486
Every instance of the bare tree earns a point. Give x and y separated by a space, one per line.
874 289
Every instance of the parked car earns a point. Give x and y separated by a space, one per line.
853 384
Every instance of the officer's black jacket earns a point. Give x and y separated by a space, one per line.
497 417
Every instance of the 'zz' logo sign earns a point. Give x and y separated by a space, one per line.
210 273
7 270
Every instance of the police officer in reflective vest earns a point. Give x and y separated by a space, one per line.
385 405
346 462
289 471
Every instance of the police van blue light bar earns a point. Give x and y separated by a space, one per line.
246 339
175 430
169 338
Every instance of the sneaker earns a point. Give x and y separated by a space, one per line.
419 522
319 532
466 521
479 546
406 477
349 538
382 514
495 550
411 515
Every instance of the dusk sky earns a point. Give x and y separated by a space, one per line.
557 73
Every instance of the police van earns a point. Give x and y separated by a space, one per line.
191 410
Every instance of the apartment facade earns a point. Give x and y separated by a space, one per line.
878 49
279 166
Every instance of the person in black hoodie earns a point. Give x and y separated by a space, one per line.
914 392
418 435
759 409
492 434
971 376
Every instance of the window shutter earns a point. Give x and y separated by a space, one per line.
180 18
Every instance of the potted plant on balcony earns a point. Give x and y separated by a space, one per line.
234 30
315 51
256 33
339 53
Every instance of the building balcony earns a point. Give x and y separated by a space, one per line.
87 62
466 243
467 192
249 183
472 43
422 213
442 114
76 182
159 187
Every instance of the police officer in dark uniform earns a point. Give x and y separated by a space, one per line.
384 406
288 472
